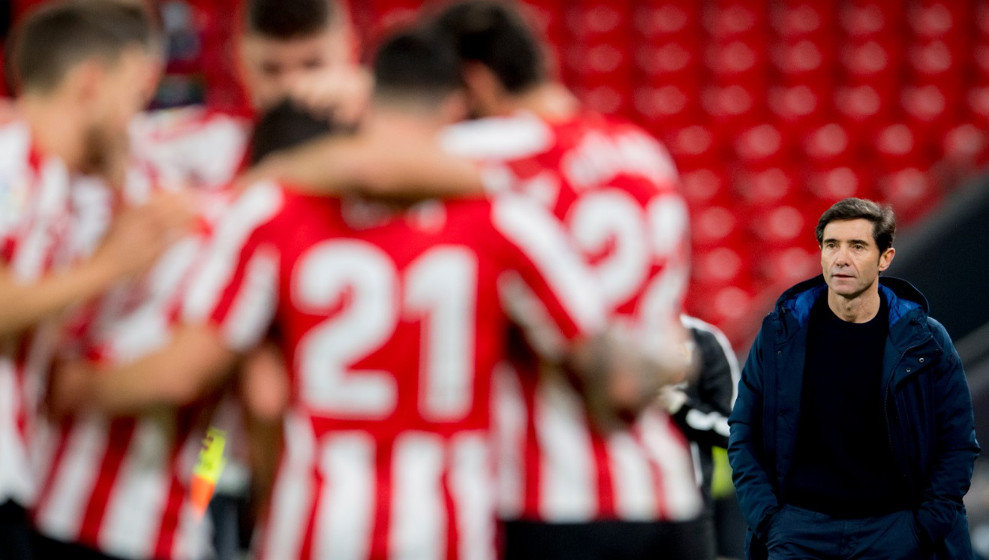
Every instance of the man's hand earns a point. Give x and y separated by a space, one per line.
340 95
69 388
140 234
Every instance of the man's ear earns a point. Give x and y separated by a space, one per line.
484 89
455 107
83 81
886 259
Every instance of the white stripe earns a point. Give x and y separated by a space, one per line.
542 239
472 490
707 422
683 497
418 515
345 517
634 488
509 429
61 515
292 493
254 306
499 138
51 207
133 512
257 205
568 490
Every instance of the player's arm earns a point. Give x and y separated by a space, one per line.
226 310
137 237
195 362
336 165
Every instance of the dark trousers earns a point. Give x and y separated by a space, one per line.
797 533
15 532
610 540
46 548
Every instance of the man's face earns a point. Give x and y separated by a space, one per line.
850 258
125 88
271 68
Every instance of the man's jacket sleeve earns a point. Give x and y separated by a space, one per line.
704 416
956 447
752 485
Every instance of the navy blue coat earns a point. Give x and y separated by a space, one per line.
927 406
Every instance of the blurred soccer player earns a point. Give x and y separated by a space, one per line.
568 490
302 49
83 70
394 318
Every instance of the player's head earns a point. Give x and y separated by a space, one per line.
500 54
100 56
285 40
856 240
283 126
416 71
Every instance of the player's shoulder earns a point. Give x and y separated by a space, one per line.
15 144
165 125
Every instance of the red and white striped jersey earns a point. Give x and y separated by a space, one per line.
48 221
392 323
615 188
193 145
121 485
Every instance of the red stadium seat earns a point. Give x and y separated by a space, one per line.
762 145
704 187
789 265
778 226
910 192
713 226
829 145
766 187
831 185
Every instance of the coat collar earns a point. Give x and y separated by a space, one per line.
907 308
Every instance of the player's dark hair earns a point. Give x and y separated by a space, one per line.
284 126
416 63
56 37
881 215
494 34
289 19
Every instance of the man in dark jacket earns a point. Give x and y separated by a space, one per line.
853 433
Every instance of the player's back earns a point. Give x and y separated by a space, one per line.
615 189
393 320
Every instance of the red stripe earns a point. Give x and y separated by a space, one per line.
48 482
381 525
602 475
531 453
452 532
177 490
118 443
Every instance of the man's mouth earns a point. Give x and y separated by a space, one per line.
839 275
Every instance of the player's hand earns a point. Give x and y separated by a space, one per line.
672 398
340 94
140 234
68 388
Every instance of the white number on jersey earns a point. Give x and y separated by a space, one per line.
439 288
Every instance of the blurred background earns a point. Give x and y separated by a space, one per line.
772 111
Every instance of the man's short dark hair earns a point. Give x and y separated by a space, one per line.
416 63
284 126
495 35
289 19
881 215
55 37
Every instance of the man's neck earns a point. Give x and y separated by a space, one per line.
56 129
550 101
859 309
